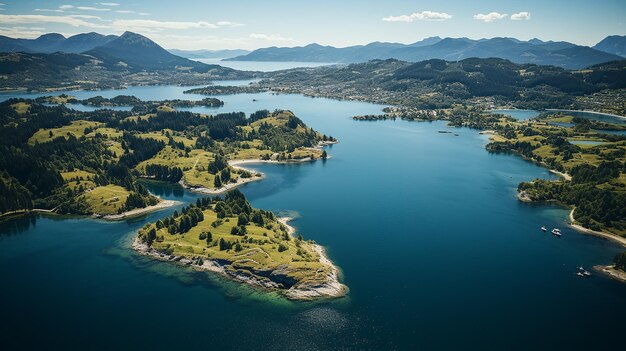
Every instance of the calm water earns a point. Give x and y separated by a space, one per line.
518 114
435 248
262 66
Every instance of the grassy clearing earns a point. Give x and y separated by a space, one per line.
259 247
21 107
105 199
76 128
143 117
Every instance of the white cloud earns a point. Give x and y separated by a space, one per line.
22 32
271 37
90 8
75 21
153 25
490 17
520 16
229 24
107 3
143 14
66 7
424 15
49 10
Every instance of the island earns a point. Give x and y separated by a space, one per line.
59 160
228 236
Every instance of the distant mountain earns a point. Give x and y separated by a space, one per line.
614 44
135 52
54 42
561 54
209 54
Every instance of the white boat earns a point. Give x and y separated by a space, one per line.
580 274
544 229
556 232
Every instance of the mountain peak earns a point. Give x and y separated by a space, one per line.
51 37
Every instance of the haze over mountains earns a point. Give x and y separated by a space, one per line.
209 54
139 52
561 54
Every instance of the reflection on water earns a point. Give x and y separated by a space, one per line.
17 224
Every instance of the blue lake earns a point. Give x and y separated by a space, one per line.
518 114
432 242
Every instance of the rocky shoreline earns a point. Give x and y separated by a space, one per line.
330 288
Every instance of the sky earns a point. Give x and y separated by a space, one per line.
248 24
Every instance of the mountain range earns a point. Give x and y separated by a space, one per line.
555 53
54 42
134 52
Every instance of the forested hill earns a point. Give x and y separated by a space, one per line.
439 83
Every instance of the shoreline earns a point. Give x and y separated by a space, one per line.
611 237
611 272
332 288
256 175
138 211
26 211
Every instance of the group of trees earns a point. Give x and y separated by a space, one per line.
164 173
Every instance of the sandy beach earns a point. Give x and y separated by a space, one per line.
140 211
615 238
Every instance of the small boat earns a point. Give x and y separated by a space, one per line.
580 274
544 229
586 274
556 232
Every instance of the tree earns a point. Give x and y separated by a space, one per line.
243 219
151 236
324 155
218 182
225 175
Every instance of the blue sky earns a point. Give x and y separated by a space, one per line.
247 24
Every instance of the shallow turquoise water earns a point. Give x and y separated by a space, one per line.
434 246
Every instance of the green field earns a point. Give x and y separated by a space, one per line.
104 200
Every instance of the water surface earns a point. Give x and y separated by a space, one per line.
435 248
